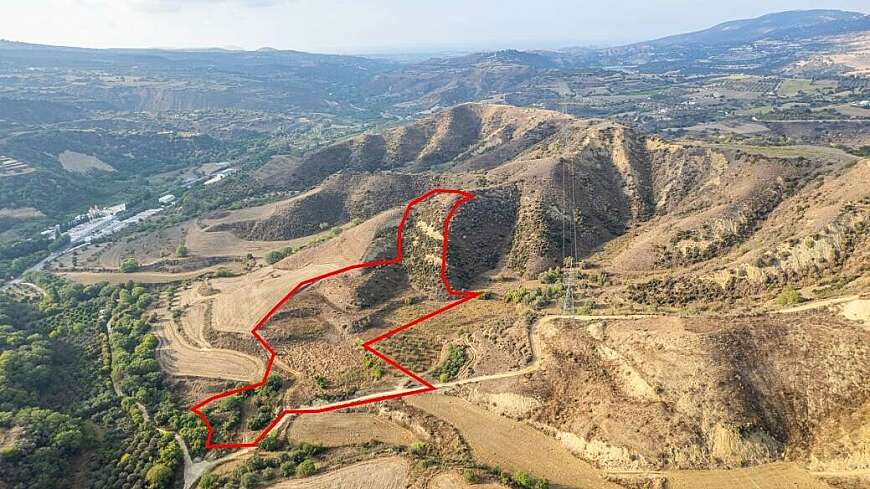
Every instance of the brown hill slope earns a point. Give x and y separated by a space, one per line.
556 181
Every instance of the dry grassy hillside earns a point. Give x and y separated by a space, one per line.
554 182
678 362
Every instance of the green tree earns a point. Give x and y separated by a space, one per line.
522 479
274 257
541 484
207 481
419 448
788 296
272 443
129 264
158 475
249 480
306 468
59 243
181 251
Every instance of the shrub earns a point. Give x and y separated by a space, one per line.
129 264
288 468
273 257
521 479
377 372
310 449
278 255
272 443
207 481
306 468
181 251
789 295
455 359
585 308
551 276
249 480
419 448
158 475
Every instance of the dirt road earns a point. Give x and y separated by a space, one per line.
770 476
818 304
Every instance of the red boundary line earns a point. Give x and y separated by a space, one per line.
425 386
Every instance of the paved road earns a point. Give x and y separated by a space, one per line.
39 266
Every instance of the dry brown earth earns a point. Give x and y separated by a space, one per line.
341 429
382 473
512 445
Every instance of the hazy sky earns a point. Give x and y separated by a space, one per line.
366 26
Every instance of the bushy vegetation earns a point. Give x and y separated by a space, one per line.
17 256
551 276
455 360
523 480
278 255
278 459
262 403
374 366
537 298
789 296
129 265
517 479
56 393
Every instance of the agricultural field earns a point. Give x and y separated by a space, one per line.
180 358
795 87
21 213
81 163
89 278
387 473
342 429
10 167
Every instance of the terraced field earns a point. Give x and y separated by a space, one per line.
342 429
179 358
382 473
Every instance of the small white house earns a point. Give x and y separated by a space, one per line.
166 199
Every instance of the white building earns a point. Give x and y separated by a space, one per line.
220 176
166 199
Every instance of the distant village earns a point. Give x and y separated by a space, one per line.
100 222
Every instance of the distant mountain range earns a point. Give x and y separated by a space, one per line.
280 80
791 25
